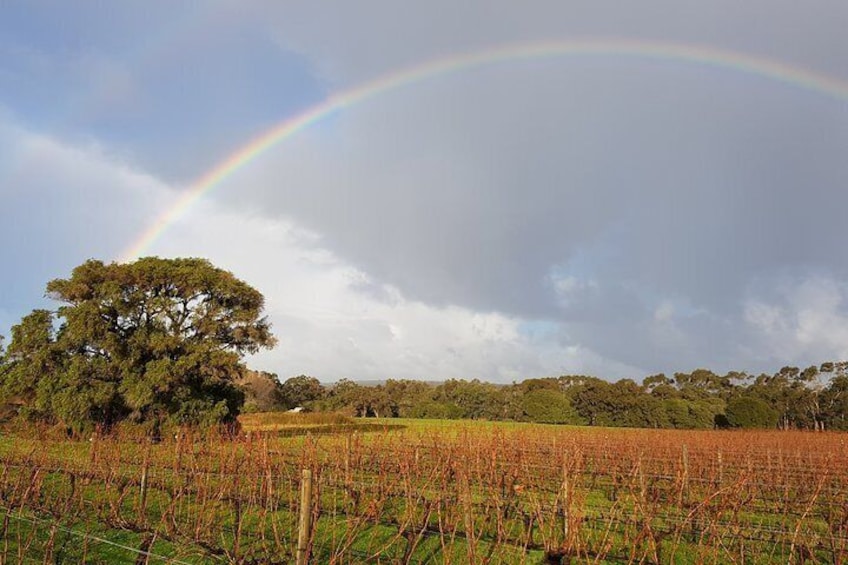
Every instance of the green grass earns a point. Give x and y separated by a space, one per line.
31 538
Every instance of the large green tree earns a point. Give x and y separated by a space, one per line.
748 411
300 390
153 340
548 406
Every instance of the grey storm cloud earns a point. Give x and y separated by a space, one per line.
664 182
465 190
351 41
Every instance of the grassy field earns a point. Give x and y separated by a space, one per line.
427 491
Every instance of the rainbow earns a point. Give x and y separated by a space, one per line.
664 51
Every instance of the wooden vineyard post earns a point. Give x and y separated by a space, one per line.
142 487
350 494
304 528
565 503
348 442
142 497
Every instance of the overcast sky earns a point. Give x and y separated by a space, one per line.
610 214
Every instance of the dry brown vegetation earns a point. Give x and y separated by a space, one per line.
274 421
463 494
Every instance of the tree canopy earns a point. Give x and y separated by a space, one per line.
150 341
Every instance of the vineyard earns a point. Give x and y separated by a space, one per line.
429 493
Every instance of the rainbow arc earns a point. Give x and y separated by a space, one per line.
677 52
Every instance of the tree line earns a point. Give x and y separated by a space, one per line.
161 342
814 398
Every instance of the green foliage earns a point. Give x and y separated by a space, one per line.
300 390
835 403
31 354
436 410
157 339
691 415
548 406
623 403
702 383
344 397
474 398
750 412
811 398
404 395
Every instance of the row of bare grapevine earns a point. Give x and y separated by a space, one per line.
530 494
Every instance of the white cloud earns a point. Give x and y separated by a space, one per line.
664 312
63 204
805 321
569 288
334 320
